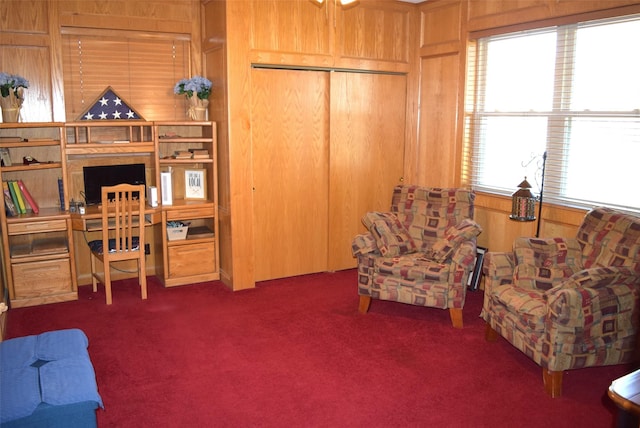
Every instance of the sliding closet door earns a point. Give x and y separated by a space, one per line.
290 117
366 153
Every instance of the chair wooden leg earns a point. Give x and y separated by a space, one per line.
142 276
490 335
456 317
107 282
552 382
93 273
365 302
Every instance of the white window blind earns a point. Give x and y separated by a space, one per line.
141 68
572 92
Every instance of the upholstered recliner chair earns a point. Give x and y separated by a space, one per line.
568 303
422 252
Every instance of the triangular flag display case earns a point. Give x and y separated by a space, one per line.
110 106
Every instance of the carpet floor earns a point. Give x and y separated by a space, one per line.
295 352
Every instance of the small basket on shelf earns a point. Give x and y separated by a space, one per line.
177 230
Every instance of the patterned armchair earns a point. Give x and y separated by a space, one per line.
568 303
422 252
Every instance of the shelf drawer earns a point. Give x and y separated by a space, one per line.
40 279
187 213
192 259
36 226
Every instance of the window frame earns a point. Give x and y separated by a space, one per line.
559 117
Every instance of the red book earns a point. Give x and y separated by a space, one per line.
28 197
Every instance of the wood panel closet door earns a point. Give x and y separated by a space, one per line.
290 117
366 154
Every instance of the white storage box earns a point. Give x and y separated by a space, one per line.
177 233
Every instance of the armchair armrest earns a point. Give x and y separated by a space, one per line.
591 295
364 244
465 254
497 269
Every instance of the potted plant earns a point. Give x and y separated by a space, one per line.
197 90
12 95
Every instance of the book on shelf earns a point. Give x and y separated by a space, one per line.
61 193
199 151
14 197
182 154
24 206
10 207
27 195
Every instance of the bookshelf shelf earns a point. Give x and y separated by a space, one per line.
201 242
36 233
32 167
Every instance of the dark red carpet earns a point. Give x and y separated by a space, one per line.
296 352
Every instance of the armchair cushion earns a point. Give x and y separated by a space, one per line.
466 230
391 236
544 263
528 305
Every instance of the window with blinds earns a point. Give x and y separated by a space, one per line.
572 92
143 69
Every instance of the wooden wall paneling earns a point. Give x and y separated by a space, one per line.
148 15
214 57
290 117
34 64
440 98
374 36
438 39
368 121
484 15
439 149
239 160
25 50
24 16
57 73
292 32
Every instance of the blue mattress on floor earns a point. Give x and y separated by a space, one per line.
48 380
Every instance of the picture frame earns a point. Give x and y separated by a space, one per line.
476 273
5 157
195 184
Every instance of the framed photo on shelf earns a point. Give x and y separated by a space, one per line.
195 184
476 273
5 158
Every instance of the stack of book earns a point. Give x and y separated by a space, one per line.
17 199
182 154
199 153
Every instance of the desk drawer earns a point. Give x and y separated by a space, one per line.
192 212
39 279
36 226
192 259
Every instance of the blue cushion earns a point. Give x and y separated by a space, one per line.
96 246
52 368
56 345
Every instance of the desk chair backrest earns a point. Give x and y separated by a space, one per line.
123 210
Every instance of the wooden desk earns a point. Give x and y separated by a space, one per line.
625 393
91 220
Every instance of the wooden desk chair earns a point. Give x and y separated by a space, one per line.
120 213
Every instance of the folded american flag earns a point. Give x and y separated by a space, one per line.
109 106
